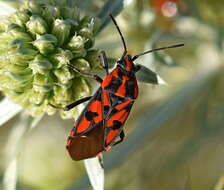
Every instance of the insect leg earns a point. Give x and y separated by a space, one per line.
72 105
122 135
76 103
103 61
95 77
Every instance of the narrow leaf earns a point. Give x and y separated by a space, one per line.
12 149
113 7
95 172
10 177
8 110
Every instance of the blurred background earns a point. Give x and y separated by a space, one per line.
174 135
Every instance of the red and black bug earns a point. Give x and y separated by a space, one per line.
102 120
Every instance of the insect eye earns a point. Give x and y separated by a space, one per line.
121 63
129 57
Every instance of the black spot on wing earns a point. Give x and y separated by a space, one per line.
106 109
116 125
114 84
90 115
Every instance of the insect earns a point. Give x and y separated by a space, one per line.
101 122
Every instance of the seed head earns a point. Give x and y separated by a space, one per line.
36 44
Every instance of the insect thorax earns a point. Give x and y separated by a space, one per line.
120 84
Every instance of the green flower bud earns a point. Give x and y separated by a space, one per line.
35 109
42 83
36 45
14 31
18 77
23 70
81 87
37 25
37 97
70 13
89 43
61 29
20 18
46 43
51 111
81 64
76 43
51 13
64 75
87 31
22 48
62 95
33 6
40 65
63 57
92 57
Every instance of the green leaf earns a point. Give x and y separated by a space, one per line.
113 7
10 176
95 172
13 148
8 110
148 76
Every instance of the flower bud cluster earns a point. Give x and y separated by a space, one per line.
36 45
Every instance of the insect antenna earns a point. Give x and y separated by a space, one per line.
156 49
122 38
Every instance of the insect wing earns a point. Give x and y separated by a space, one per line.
115 121
90 116
88 145
85 140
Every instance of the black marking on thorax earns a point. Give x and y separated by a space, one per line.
116 125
